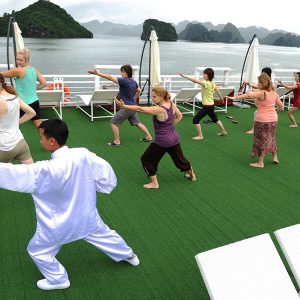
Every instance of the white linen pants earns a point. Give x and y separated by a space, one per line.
43 253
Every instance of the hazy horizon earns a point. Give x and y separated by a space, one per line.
134 12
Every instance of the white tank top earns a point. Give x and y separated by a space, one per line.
10 134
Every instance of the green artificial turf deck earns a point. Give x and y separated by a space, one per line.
166 227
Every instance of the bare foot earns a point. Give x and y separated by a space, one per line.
293 126
250 131
197 137
257 165
190 175
275 161
222 133
151 185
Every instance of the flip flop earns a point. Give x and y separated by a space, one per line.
145 140
113 144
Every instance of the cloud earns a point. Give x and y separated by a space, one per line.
260 13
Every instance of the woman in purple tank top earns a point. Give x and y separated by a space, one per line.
165 116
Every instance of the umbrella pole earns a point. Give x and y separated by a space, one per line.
141 61
149 81
254 36
10 24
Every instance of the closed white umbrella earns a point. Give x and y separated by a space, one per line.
18 37
155 60
253 70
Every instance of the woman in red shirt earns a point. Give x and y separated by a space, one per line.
296 103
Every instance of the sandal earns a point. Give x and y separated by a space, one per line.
113 144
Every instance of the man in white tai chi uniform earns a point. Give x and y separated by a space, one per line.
64 193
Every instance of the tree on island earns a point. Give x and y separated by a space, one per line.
44 19
165 31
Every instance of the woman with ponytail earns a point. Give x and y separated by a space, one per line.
12 143
165 116
26 79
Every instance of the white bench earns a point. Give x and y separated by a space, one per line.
52 98
99 98
250 269
289 241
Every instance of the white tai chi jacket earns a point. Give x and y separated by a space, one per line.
64 192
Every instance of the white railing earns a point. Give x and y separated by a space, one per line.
85 84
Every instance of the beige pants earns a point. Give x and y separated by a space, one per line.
20 152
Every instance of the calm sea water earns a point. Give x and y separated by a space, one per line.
76 56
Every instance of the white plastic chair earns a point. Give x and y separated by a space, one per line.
99 98
225 91
186 96
52 99
250 269
285 95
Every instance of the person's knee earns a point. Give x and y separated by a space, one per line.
30 250
144 159
195 121
112 123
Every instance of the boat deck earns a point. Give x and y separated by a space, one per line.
166 227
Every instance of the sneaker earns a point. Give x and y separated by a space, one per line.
133 260
45 285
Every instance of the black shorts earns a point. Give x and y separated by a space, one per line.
36 107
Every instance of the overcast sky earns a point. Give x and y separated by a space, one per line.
263 13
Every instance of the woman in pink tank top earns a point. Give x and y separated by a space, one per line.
265 122
296 103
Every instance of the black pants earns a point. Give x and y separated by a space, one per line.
206 110
36 107
154 154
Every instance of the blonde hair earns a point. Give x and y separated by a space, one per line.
162 92
25 53
266 82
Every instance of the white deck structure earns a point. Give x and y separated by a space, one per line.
250 269
86 84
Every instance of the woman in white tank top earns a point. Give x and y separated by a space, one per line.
12 143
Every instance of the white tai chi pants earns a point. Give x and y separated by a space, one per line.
43 253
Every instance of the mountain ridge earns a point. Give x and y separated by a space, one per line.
266 36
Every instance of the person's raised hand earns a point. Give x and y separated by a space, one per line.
93 72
